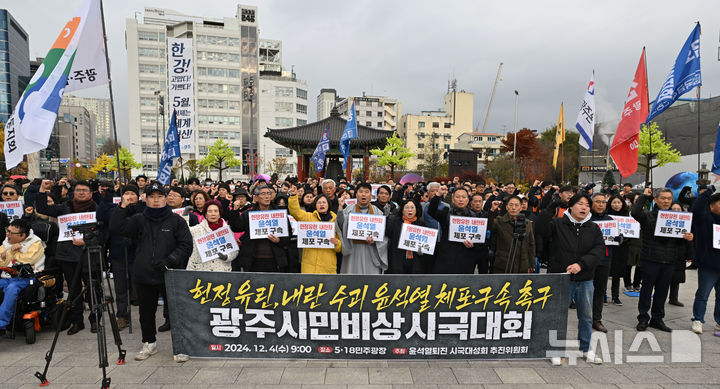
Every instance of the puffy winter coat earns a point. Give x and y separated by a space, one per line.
571 242
317 261
196 263
706 257
659 249
502 236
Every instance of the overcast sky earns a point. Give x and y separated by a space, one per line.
410 49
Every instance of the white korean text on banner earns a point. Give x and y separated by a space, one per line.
627 226
463 228
673 224
219 241
264 223
362 225
181 82
319 316
418 239
315 235
73 219
609 229
13 209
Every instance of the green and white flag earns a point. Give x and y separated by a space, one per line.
75 61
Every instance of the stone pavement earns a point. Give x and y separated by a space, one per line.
75 363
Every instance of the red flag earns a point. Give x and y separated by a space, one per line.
625 145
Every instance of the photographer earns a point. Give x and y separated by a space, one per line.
513 226
163 242
70 253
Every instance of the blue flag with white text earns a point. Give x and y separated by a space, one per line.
684 75
323 146
171 150
716 156
350 132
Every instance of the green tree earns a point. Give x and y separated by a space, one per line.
434 162
393 154
127 162
220 156
655 151
609 179
194 168
571 153
501 168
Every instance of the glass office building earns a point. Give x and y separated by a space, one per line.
14 63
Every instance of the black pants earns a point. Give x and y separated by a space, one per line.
148 301
68 271
674 290
655 276
638 276
615 289
600 284
123 284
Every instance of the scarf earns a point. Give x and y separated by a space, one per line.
461 211
408 253
325 217
370 208
215 226
156 213
82 206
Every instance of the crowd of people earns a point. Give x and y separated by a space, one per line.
146 228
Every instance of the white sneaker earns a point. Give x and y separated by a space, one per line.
556 361
590 357
147 350
697 326
180 358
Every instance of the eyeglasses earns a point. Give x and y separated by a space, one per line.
7 231
264 194
9 193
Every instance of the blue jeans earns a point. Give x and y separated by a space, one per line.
707 280
12 288
582 293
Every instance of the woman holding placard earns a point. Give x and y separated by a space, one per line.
618 266
212 213
316 260
402 261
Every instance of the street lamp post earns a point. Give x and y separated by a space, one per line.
249 95
517 100
158 112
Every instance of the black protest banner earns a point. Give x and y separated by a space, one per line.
275 315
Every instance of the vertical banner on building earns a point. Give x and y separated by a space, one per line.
181 81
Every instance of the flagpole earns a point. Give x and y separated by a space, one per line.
112 101
698 128
562 162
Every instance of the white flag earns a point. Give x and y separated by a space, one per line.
586 118
29 127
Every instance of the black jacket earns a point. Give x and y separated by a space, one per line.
570 242
609 250
117 243
455 258
396 257
706 257
162 242
247 246
658 249
66 250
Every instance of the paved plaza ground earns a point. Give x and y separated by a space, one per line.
75 363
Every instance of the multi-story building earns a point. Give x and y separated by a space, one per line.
225 81
437 130
101 111
76 140
326 100
14 63
373 111
488 145
283 103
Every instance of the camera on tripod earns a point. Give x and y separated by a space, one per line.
519 228
88 231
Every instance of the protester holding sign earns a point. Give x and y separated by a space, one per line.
163 242
602 271
658 259
616 207
367 255
316 260
576 247
212 221
683 257
269 253
457 257
176 202
402 261
508 228
706 213
70 252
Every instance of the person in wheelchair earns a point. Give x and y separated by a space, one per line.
20 247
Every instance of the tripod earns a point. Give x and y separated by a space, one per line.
99 302
518 236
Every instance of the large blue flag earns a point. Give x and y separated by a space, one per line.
684 75
350 132
323 146
716 157
171 150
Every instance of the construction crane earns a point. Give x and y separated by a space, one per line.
492 97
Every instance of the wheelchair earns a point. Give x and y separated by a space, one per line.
35 307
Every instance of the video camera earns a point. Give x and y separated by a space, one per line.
88 231
519 227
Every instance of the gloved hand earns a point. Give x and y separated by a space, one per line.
223 256
159 266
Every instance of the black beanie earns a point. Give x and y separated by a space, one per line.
131 188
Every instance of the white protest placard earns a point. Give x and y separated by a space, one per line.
609 229
350 202
13 209
179 211
362 225
373 190
419 239
219 241
673 224
464 228
293 225
73 219
117 200
264 223
316 234
716 236
627 226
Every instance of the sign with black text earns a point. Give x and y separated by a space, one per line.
673 224
627 226
12 209
463 228
362 225
73 219
212 244
316 235
418 239
609 229
264 223
181 82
